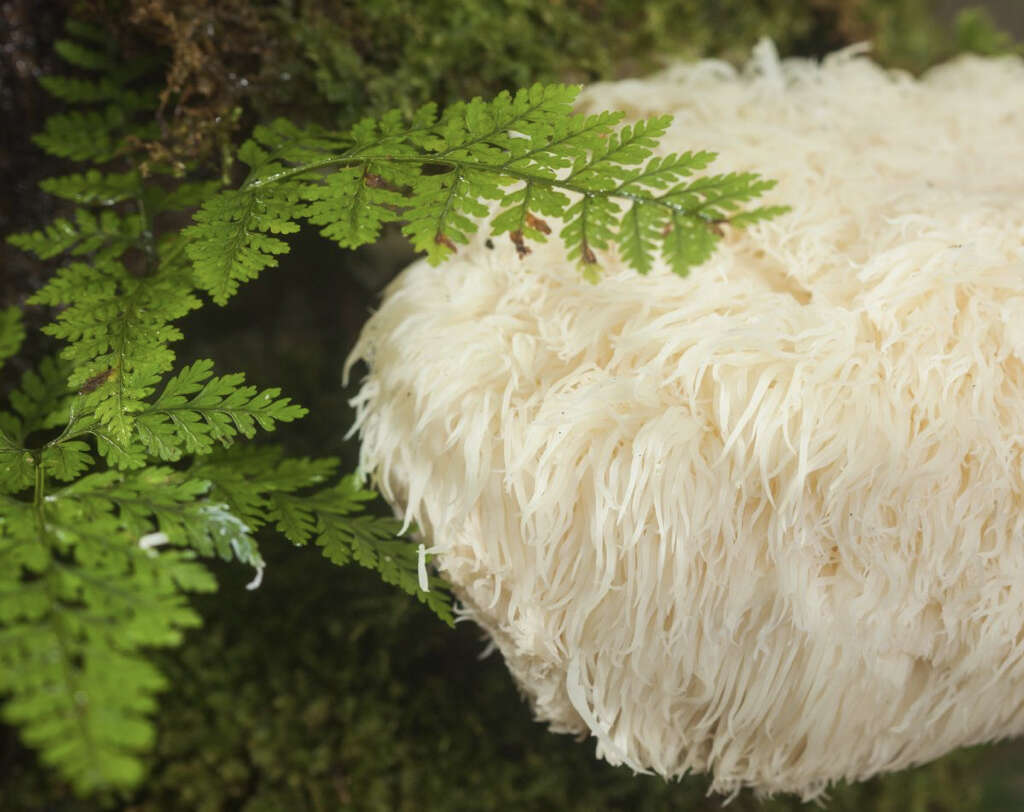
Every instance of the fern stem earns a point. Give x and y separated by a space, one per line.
40 485
525 208
448 201
146 236
502 170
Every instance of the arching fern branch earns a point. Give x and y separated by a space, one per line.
524 156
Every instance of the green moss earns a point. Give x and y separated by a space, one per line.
381 54
372 56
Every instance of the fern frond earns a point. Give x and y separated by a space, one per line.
243 477
213 530
16 465
715 196
590 224
353 203
41 401
346 533
291 514
71 635
661 172
440 213
83 56
607 164
117 327
186 195
95 135
149 499
117 304
274 146
82 703
231 241
12 332
195 411
638 234
489 132
683 240
751 216
84 91
526 151
85 31
178 504
94 91
97 560
106 235
67 461
94 187
82 135
237 477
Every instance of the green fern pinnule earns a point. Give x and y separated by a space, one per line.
12 332
231 241
94 187
194 411
118 326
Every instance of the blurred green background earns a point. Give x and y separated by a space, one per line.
324 689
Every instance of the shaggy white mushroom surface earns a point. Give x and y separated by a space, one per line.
766 521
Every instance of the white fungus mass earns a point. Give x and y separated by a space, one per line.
766 521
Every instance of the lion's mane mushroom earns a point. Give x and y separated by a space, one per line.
766 521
